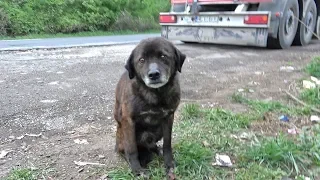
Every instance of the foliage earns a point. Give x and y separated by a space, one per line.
21 17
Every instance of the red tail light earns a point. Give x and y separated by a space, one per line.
167 19
256 19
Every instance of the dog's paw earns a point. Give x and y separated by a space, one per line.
171 175
141 173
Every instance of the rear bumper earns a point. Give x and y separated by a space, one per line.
218 27
219 35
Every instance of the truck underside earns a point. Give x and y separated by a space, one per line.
263 23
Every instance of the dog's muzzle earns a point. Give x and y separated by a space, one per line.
154 77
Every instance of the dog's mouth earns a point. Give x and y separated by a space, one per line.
155 83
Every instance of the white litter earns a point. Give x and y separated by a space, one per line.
222 160
4 153
240 90
287 68
83 141
316 80
79 163
292 131
315 118
308 84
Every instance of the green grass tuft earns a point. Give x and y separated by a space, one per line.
294 157
261 107
311 96
313 68
22 174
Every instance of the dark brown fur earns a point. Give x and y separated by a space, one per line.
145 115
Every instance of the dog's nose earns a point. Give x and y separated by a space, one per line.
154 74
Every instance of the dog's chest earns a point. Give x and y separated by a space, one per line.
154 116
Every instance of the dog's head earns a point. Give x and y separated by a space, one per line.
155 61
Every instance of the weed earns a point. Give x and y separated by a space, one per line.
311 96
294 157
261 107
22 174
191 111
313 68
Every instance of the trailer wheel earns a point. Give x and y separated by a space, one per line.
305 30
287 28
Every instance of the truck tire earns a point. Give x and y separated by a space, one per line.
304 34
287 28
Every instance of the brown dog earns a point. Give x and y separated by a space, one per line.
147 97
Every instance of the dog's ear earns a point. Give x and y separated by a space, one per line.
180 57
129 66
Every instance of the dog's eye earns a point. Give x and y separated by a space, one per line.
141 60
163 56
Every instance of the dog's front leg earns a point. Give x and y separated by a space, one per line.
130 146
167 148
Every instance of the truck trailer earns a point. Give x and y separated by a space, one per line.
276 24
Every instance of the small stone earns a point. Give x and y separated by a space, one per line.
258 73
101 156
12 137
109 117
205 144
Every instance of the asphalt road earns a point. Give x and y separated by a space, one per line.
71 41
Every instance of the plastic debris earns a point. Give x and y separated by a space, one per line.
308 84
251 91
79 163
240 90
315 118
4 153
284 118
316 80
292 131
83 141
287 68
222 160
109 117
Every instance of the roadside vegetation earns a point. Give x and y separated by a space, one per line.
31 18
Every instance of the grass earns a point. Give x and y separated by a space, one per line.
80 34
22 174
261 107
311 96
265 158
313 68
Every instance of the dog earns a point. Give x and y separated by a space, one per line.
147 96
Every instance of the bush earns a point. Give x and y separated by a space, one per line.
3 23
23 17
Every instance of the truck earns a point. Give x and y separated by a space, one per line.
276 24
